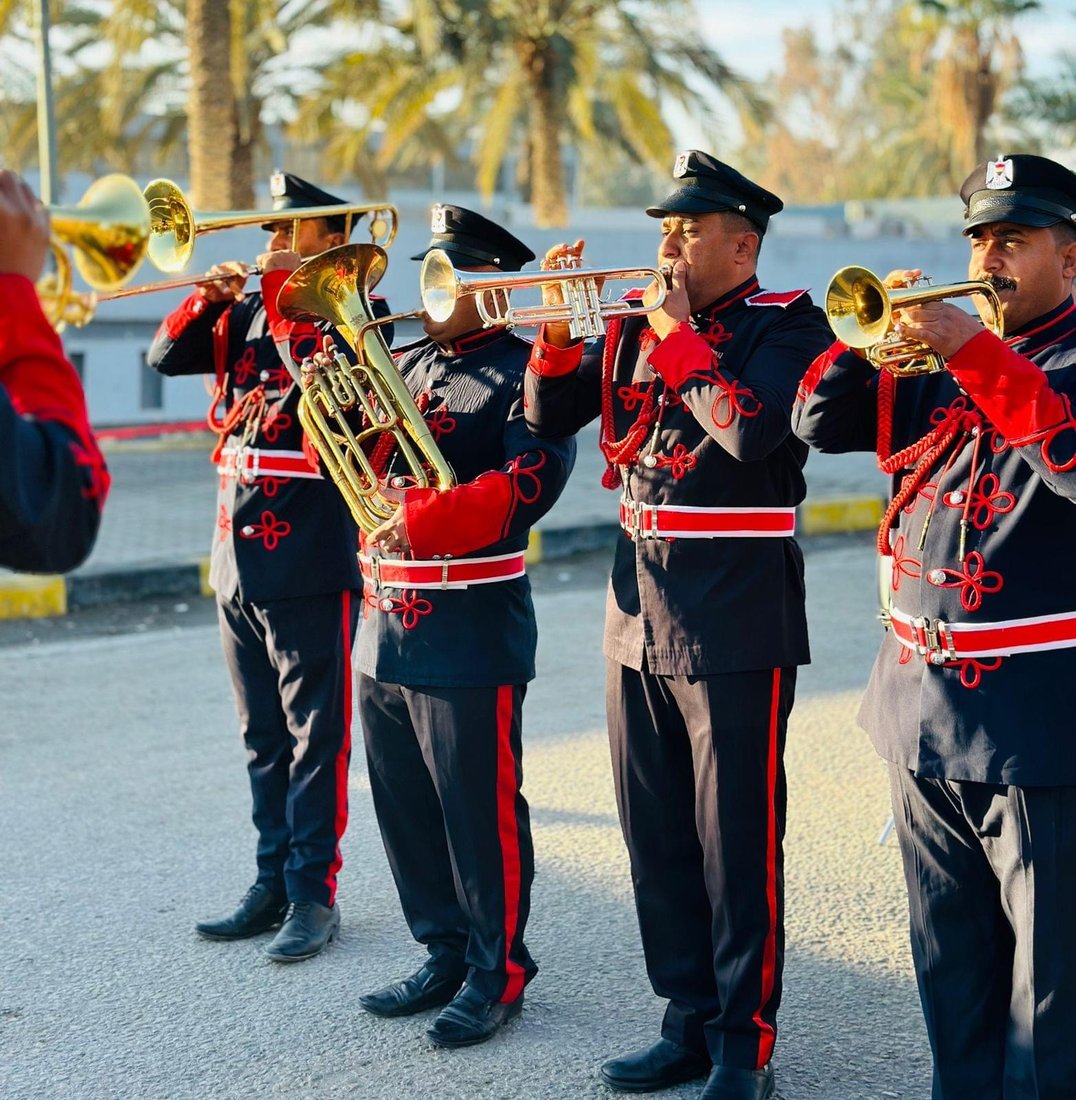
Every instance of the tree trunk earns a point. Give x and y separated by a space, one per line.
213 139
546 162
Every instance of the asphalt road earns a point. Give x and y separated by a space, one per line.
124 816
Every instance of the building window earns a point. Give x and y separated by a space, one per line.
151 387
78 361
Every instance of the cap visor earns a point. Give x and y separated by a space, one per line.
686 201
1003 210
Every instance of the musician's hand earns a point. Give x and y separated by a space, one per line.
227 288
24 228
941 325
902 277
391 536
321 360
676 307
283 260
557 258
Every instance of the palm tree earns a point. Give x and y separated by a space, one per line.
535 78
977 59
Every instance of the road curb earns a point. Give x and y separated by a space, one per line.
25 596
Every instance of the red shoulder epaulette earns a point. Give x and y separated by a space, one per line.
633 295
780 298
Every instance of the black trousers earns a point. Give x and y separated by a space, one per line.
290 662
445 771
698 764
991 874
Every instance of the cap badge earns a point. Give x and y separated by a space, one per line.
680 168
999 174
278 185
437 220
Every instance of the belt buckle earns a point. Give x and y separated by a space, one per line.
933 640
641 512
247 474
375 571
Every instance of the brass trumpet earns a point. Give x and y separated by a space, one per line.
335 287
859 307
174 225
108 232
441 285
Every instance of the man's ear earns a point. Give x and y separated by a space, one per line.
1068 260
747 246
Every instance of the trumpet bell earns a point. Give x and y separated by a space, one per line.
440 287
857 307
109 231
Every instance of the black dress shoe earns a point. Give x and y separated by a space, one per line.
308 927
423 989
259 911
730 1083
658 1067
469 1018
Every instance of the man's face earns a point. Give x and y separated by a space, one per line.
718 255
1030 270
465 317
313 237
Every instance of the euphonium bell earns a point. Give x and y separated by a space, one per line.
334 287
860 308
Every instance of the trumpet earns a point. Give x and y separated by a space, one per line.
441 285
174 226
108 232
859 307
334 287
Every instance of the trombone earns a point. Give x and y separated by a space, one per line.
441 285
174 225
859 307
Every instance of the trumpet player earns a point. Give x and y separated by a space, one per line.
53 478
705 623
287 583
445 653
967 699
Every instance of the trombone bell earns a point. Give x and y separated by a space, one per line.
859 307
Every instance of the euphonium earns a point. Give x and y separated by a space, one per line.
334 287
860 308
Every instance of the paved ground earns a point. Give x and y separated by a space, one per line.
124 817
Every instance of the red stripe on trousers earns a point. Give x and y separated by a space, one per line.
343 755
507 829
766 1033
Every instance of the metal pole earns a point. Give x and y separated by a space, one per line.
46 120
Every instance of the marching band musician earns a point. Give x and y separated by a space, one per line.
287 583
445 653
705 620
967 701
53 478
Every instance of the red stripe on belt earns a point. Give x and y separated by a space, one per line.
939 641
249 463
664 521
444 573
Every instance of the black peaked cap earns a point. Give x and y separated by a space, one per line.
1019 188
472 240
292 192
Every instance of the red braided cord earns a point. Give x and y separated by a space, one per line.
622 452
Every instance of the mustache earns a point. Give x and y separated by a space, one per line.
1001 282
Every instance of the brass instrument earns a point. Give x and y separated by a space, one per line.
334 287
109 233
441 285
860 308
175 226
246 271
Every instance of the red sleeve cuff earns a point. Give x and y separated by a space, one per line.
1013 391
679 354
460 520
549 361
